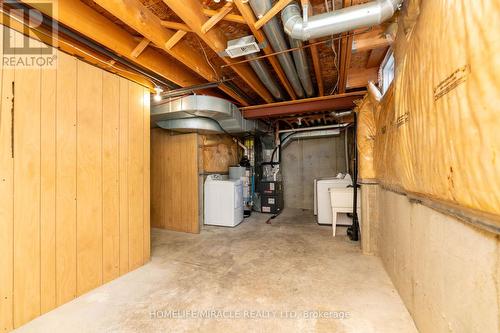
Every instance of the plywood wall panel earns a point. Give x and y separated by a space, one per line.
74 155
89 178
147 175
66 96
6 197
110 176
174 191
136 176
48 190
123 177
26 195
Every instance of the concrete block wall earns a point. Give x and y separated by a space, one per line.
304 160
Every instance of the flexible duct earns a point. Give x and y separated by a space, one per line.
302 66
276 37
338 21
264 76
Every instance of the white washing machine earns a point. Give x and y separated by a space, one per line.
322 203
223 203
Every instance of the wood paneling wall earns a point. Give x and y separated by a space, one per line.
174 191
74 184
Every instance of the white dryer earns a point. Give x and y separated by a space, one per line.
223 203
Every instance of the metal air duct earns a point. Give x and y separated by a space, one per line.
198 113
338 21
264 76
302 66
276 37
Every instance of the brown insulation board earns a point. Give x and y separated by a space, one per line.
438 129
219 153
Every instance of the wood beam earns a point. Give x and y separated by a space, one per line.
360 78
376 57
140 47
175 39
303 106
76 49
317 70
271 13
229 17
371 40
250 19
345 53
138 17
209 24
191 12
175 25
80 17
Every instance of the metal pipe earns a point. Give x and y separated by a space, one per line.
302 66
304 129
260 69
338 21
276 37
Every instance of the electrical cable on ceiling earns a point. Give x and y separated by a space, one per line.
206 58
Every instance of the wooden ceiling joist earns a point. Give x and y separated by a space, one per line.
250 20
370 41
359 78
138 17
175 25
298 107
191 12
140 47
229 17
345 53
76 49
80 17
211 22
271 13
317 70
175 39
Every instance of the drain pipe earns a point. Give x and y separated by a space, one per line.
276 37
338 21
353 230
264 76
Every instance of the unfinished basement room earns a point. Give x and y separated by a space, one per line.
250 166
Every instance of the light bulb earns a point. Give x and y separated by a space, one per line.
157 97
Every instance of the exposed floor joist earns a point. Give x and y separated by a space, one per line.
278 6
221 13
150 26
191 12
303 106
76 49
249 17
229 17
79 17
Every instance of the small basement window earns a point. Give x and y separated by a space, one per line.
387 71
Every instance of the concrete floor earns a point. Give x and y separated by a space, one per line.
266 277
